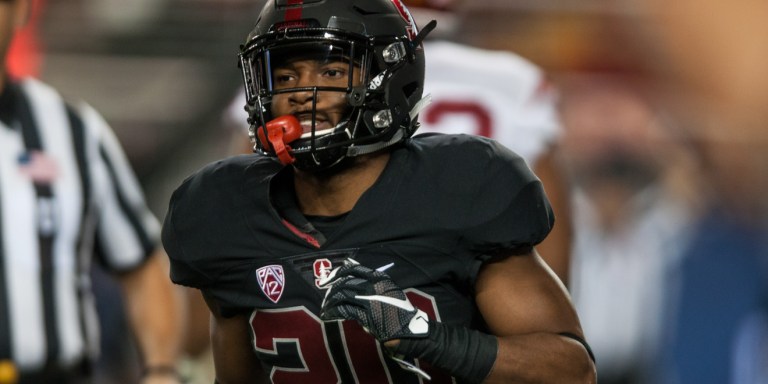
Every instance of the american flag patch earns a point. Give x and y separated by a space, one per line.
38 166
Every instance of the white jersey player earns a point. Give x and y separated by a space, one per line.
495 94
501 95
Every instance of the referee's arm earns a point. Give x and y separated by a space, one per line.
128 233
155 309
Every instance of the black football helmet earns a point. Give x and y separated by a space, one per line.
377 37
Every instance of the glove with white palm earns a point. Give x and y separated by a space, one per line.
371 298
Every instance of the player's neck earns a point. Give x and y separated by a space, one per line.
337 193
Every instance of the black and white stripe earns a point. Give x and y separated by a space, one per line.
95 204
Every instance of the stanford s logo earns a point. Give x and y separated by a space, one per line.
321 269
406 15
271 280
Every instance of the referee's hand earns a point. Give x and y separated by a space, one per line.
162 379
161 375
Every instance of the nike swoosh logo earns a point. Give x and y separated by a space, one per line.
385 267
402 304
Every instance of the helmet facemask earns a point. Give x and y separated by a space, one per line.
342 68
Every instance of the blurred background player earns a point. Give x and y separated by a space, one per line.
710 79
70 198
501 95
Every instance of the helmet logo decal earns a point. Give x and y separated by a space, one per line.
376 82
406 15
321 268
294 10
271 280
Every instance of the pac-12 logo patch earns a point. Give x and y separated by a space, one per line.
271 280
321 268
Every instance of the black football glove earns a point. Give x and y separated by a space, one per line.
371 298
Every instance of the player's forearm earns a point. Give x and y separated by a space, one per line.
233 353
157 313
541 358
466 354
476 357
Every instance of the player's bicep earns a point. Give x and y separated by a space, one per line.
556 247
233 355
519 294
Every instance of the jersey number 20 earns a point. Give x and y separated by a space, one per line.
300 348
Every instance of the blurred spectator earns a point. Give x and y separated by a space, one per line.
634 202
722 286
711 78
750 357
710 75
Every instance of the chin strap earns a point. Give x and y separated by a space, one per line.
398 136
420 105
370 148
424 32
280 132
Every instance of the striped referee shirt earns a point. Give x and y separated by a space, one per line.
67 194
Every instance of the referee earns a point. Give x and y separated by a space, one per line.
69 198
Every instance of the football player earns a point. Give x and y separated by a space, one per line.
347 250
496 94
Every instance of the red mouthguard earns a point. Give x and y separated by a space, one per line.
280 132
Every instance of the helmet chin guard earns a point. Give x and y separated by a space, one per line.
380 45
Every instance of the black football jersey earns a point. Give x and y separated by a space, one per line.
443 205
